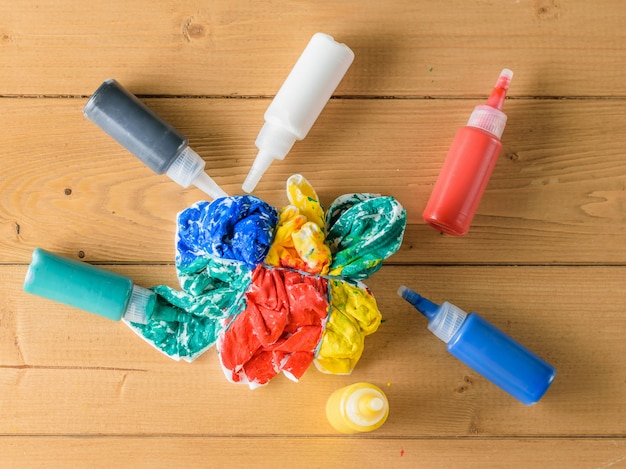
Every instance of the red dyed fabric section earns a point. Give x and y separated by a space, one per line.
278 330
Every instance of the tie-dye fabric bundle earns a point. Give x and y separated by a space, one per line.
273 290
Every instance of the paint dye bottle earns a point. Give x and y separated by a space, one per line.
468 165
360 407
143 133
486 349
299 102
87 287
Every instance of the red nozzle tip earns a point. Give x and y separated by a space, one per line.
496 99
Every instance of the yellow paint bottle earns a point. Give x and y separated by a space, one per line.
360 407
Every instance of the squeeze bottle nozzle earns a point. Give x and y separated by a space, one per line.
498 95
147 136
443 320
489 117
486 349
299 102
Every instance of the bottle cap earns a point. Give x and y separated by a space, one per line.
447 322
444 321
367 407
489 117
188 168
140 305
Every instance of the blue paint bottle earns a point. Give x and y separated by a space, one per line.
486 349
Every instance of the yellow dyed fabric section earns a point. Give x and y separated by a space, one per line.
353 315
299 238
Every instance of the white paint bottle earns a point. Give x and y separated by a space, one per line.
299 102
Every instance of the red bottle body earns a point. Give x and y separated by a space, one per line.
462 180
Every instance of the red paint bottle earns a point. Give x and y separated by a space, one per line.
468 165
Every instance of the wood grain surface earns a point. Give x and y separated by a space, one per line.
545 259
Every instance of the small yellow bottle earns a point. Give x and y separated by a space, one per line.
360 407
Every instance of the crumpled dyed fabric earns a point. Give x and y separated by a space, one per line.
278 330
299 242
276 290
353 315
363 231
239 228
187 322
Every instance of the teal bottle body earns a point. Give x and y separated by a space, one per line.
78 284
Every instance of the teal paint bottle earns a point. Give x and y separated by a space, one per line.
88 287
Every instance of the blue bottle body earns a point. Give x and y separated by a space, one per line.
502 360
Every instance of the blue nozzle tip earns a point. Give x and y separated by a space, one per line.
423 305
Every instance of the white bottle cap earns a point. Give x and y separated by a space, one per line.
140 305
447 322
488 119
367 407
188 168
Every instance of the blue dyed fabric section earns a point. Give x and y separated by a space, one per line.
239 228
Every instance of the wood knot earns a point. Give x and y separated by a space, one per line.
193 31
465 387
547 10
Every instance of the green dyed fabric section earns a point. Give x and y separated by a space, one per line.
187 322
362 231
215 275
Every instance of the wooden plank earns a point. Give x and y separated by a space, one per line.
70 373
359 452
80 391
559 184
232 48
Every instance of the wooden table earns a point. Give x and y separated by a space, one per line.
545 259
